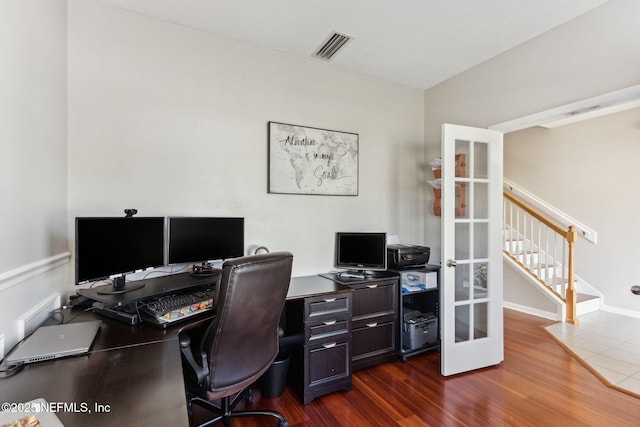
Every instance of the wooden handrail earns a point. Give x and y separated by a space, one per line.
530 210
570 236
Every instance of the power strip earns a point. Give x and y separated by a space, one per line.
103 310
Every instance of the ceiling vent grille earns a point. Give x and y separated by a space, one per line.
334 43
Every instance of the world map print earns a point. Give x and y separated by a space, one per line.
306 160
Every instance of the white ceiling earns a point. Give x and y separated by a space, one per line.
417 43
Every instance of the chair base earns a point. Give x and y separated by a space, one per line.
225 411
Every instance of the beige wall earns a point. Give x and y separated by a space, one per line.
588 56
33 159
173 121
594 54
33 131
590 171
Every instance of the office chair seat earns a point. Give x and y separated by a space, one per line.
241 343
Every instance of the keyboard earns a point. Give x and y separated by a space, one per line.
166 310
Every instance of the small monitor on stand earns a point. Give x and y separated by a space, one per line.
362 254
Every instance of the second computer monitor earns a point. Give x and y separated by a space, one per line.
203 239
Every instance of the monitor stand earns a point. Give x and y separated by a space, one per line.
358 274
120 287
352 274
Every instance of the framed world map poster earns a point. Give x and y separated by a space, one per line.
306 160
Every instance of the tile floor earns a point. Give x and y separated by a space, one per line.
609 343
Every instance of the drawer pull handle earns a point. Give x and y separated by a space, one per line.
372 286
372 325
329 344
329 322
329 299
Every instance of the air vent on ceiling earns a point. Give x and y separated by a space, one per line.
334 43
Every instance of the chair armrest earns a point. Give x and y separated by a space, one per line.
185 340
198 372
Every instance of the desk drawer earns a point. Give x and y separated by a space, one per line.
323 363
369 342
328 327
328 305
375 299
364 321
329 360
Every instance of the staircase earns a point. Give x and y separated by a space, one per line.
543 252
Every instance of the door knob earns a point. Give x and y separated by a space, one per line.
451 263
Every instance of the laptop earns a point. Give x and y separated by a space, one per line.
55 341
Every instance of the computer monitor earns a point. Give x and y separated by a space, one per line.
204 239
361 253
109 246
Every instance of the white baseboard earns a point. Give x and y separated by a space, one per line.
557 317
621 311
534 312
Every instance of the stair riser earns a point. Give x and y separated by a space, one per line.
514 246
547 273
529 258
589 306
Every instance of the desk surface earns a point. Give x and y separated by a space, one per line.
114 334
302 287
153 286
138 385
133 372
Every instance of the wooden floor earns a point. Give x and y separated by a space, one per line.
538 384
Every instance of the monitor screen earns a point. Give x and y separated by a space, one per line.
110 246
202 239
361 251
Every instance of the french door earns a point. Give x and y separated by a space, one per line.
471 295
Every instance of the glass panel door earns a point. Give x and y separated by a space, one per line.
471 248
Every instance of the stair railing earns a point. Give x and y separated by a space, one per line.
543 249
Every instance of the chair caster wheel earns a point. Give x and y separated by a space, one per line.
284 423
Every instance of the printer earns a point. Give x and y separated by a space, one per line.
406 256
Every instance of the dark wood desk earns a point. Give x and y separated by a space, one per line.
311 286
114 334
138 384
134 371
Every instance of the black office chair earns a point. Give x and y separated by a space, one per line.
241 342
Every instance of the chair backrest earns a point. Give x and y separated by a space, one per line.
242 341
